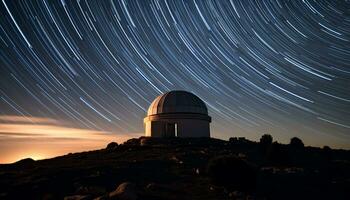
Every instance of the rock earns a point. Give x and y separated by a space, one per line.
91 190
150 186
112 145
197 171
104 197
144 141
125 191
78 197
177 160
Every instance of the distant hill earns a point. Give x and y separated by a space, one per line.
179 168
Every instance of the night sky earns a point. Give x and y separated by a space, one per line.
277 67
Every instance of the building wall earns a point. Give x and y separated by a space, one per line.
185 127
154 128
148 129
193 128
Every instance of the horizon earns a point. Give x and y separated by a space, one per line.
50 155
76 75
72 141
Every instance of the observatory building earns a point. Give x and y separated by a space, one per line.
177 114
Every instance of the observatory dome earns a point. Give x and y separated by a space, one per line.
177 101
177 114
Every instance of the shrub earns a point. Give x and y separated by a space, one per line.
277 155
326 148
112 145
327 153
232 172
233 140
266 139
25 161
296 143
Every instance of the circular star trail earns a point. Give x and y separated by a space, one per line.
278 67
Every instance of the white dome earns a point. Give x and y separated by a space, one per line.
177 102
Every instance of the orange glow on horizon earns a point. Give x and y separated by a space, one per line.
40 138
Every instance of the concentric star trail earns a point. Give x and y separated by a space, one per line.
278 67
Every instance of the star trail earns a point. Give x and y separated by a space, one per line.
278 67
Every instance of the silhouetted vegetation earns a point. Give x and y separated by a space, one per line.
25 161
327 148
296 143
266 140
265 144
184 168
242 141
277 155
112 145
232 172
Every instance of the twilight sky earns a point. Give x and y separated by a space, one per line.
278 67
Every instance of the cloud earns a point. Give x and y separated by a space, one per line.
25 120
39 138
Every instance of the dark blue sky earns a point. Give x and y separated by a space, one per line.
278 67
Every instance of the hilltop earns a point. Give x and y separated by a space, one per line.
183 168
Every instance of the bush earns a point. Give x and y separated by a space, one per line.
25 162
112 145
326 148
296 143
232 172
233 140
277 154
266 139
327 153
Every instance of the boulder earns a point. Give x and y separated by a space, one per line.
144 141
125 191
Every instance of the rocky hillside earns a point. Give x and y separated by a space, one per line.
175 168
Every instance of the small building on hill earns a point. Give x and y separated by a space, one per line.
177 114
